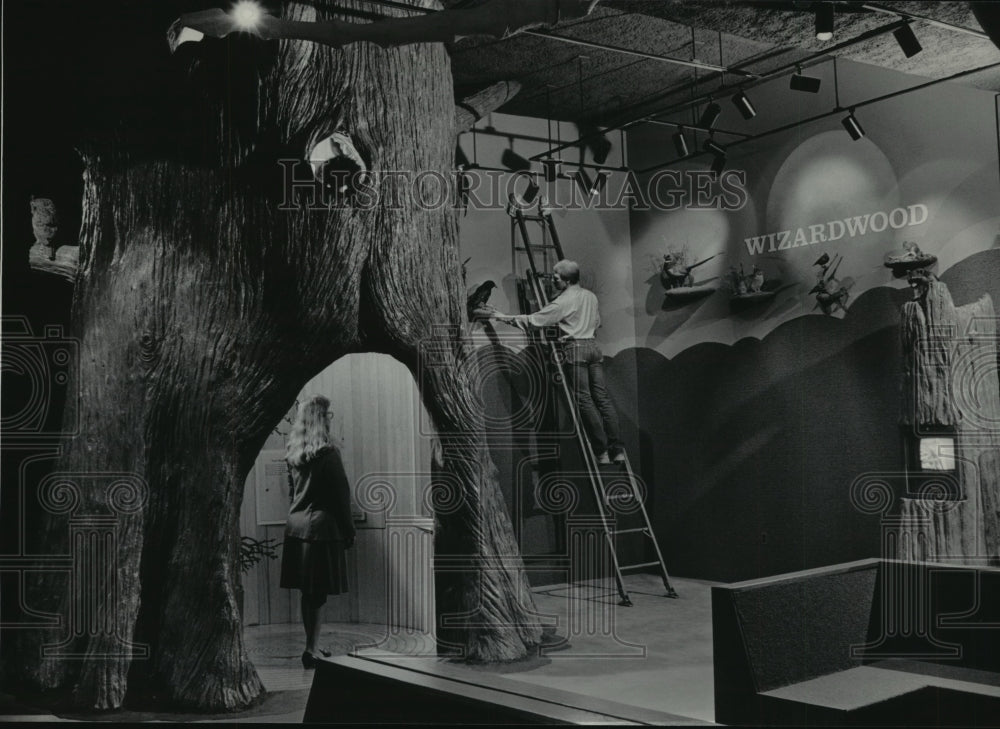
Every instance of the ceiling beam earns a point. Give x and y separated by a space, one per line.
641 54
876 8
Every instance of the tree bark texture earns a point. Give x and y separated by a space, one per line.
202 309
950 378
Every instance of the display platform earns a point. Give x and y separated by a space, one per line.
874 642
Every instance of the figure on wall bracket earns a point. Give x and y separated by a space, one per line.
678 280
750 289
831 293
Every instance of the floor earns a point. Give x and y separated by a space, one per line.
656 654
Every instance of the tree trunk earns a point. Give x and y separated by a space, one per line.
950 379
202 308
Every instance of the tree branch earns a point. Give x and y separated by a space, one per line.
473 108
498 18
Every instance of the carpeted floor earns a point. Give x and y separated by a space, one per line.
655 655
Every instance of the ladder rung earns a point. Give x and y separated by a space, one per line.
620 497
616 532
637 566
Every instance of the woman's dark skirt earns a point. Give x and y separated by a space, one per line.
315 567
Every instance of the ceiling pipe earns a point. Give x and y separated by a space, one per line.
838 110
873 7
641 54
689 125
876 8
812 59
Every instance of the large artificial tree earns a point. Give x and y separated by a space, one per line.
210 291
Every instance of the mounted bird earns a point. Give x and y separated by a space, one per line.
475 305
675 273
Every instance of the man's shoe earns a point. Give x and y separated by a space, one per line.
603 459
619 457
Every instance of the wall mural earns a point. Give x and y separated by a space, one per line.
829 220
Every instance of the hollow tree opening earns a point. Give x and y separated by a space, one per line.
201 309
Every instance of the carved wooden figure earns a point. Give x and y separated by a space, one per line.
47 255
950 357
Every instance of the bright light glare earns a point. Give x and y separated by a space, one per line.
246 14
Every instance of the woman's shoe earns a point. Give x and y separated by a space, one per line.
309 659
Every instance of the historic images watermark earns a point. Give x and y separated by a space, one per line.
38 368
94 623
931 513
482 189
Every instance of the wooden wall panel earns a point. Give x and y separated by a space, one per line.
278 600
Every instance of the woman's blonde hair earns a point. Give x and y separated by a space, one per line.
311 432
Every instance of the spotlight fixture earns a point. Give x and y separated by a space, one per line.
809 84
514 162
551 167
531 192
601 147
743 104
710 116
718 164
824 21
715 148
597 142
907 40
681 143
852 126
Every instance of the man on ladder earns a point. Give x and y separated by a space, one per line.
575 311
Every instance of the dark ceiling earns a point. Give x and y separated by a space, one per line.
568 81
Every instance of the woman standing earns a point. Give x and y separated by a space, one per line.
319 527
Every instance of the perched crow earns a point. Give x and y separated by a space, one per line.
477 300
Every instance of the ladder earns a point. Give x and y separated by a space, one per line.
596 474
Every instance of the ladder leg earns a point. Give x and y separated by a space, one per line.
589 457
625 600
670 591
